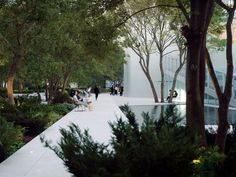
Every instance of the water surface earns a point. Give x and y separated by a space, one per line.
155 110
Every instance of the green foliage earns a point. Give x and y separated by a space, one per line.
63 109
32 115
58 41
81 154
228 167
10 138
134 151
129 114
171 118
153 150
208 162
61 98
216 28
24 101
52 118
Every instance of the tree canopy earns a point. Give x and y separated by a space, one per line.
56 42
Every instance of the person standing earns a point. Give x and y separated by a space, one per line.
96 91
116 89
121 90
112 90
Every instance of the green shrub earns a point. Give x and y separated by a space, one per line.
62 109
52 117
32 115
228 168
161 153
10 112
32 120
10 138
25 100
25 91
35 124
134 151
83 156
61 98
208 162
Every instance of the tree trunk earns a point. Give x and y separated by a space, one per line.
38 93
53 87
223 125
147 74
21 86
46 91
162 77
10 79
152 87
223 107
224 100
194 104
16 61
196 40
50 91
65 82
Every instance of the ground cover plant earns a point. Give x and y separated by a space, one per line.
22 122
10 138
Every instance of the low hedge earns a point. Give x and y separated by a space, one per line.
10 138
32 115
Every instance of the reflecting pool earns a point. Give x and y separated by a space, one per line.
155 110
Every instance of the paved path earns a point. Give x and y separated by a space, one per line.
34 160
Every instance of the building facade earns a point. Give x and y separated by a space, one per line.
136 83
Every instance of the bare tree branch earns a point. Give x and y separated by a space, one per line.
169 52
142 10
182 8
223 5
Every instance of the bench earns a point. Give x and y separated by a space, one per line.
80 105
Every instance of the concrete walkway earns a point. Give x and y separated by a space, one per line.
34 160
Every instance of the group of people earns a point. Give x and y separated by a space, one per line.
79 101
115 90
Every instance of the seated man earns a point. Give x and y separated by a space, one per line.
77 93
175 94
78 100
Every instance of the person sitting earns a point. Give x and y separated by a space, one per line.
80 102
78 96
175 94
